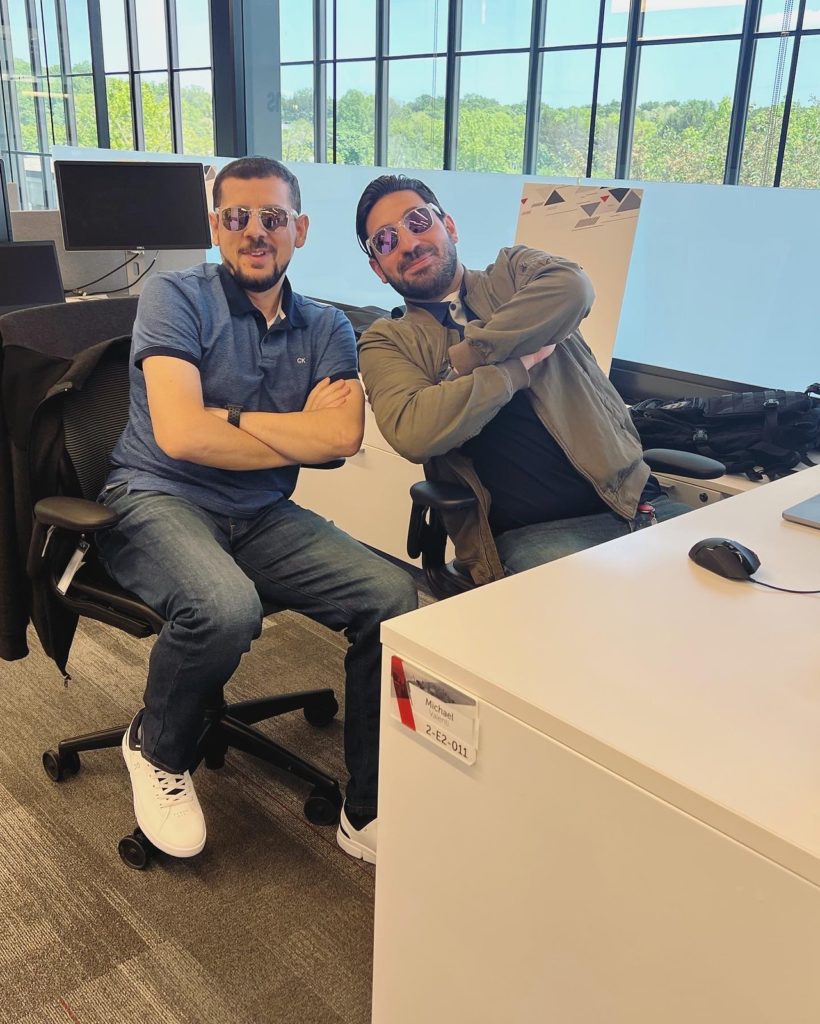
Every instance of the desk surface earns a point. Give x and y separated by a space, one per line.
701 690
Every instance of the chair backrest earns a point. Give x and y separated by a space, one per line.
94 416
69 328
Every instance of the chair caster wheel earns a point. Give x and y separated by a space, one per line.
323 805
135 850
59 766
322 712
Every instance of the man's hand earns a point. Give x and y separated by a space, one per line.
327 396
536 357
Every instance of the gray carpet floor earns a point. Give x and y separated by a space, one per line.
271 923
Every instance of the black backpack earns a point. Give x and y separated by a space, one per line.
759 433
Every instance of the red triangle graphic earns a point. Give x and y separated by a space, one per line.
523 200
604 198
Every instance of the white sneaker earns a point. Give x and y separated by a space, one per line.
165 804
358 842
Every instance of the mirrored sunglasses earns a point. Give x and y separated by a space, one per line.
385 240
237 218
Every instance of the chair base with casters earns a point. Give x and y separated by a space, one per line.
427 536
92 593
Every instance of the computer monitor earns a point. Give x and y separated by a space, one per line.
132 205
5 208
29 275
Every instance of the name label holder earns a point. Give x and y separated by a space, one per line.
434 710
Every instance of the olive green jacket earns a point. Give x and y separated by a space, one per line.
524 300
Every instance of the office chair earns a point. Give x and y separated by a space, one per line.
427 534
92 418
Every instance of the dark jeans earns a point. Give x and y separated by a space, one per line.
535 545
205 574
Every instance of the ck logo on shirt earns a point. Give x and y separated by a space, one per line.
301 360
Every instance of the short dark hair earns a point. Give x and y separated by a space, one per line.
381 187
247 167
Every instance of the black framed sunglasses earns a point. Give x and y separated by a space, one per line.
417 221
237 218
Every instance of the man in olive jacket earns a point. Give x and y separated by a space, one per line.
487 381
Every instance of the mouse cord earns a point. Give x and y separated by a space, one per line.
784 590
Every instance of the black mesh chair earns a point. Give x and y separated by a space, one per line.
92 418
427 534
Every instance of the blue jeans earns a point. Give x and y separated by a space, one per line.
543 542
205 575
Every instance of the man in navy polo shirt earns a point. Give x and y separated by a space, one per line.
236 381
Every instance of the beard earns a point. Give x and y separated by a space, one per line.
253 283
432 283
258 284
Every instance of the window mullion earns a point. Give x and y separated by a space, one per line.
382 75
320 81
596 78
14 138
630 90
743 89
98 74
534 81
787 102
133 65
451 87
172 35
65 72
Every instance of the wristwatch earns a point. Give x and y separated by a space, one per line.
234 412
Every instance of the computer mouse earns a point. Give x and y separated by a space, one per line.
725 557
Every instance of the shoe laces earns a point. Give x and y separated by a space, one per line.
173 789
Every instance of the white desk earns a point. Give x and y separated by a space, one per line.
638 841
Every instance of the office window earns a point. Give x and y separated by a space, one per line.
681 123
297 113
566 110
495 24
570 22
608 112
120 115
690 18
195 90
296 33
417 26
491 113
351 28
764 119
157 81
355 113
801 161
415 112
152 38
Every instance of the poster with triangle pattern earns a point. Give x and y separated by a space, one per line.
595 227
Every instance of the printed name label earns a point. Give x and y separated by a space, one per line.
435 710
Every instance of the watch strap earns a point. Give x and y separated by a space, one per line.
234 412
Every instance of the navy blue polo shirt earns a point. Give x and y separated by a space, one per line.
202 316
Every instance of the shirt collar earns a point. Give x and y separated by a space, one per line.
240 305
441 310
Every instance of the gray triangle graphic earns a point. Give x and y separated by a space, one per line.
618 193
632 202
556 197
589 208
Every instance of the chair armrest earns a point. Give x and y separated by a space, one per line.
441 496
75 514
435 496
698 467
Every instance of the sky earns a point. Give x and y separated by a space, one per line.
693 71
701 70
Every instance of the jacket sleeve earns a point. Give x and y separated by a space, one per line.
420 416
543 299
